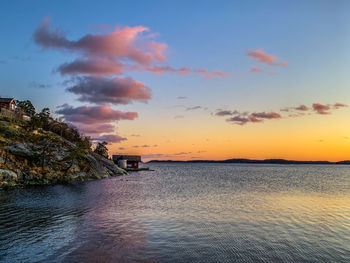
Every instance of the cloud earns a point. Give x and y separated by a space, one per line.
223 113
145 146
194 108
181 97
135 135
211 74
339 105
112 53
110 90
110 138
93 66
238 120
284 64
292 112
94 114
302 108
121 148
95 129
35 84
266 115
179 117
320 108
262 57
255 69
167 69
122 43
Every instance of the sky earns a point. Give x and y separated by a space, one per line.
187 80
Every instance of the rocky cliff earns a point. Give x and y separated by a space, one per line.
29 157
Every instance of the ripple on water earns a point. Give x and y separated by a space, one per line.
184 213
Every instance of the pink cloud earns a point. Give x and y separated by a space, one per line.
167 69
93 66
111 53
90 129
339 105
320 108
110 90
255 69
122 43
301 108
94 114
261 56
211 74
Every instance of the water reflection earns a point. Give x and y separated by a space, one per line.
184 213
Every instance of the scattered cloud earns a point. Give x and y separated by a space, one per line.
93 129
35 84
110 138
266 115
223 113
292 112
320 108
339 105
211 74
261 56
110 90
179 117
135 135
93 66
255 69
113 51
121 148
145 146
181 97
194 108
94 114
302 108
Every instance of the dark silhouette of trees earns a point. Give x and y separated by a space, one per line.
101 149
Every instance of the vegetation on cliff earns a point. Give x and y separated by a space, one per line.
44 150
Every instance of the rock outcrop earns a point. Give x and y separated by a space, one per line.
42 157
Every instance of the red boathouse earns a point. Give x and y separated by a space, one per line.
132 161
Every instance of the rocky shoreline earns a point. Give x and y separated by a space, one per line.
39 157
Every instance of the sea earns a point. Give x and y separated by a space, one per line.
184 212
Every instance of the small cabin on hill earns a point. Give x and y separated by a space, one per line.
8 103
132 161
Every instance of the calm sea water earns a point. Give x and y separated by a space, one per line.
184 213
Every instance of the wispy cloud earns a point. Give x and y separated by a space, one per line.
194 108
261 56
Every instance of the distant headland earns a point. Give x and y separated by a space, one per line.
252 161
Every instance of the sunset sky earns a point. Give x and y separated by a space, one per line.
187 80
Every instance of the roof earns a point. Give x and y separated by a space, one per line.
135 158
6 100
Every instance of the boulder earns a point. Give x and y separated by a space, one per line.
7 175
20 149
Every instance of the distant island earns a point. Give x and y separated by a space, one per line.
251 161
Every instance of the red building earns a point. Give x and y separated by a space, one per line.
132 161
8 103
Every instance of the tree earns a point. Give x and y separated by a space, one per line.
45 117
101 149
35 122
27 107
